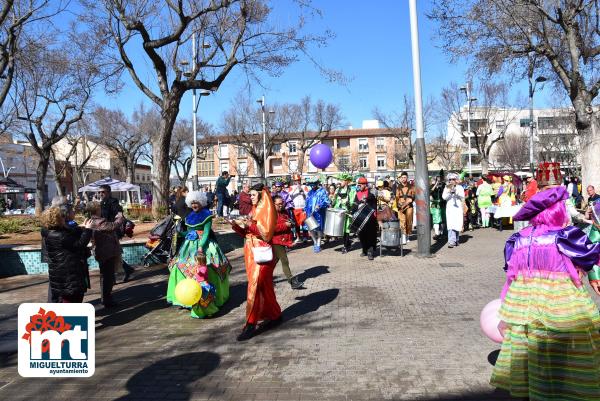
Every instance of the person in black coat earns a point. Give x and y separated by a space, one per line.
179 207
368 235
66 249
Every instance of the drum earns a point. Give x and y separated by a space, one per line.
390 234
311 223
361 217
335 220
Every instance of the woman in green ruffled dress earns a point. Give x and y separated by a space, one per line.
200 258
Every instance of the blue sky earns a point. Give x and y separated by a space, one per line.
372 47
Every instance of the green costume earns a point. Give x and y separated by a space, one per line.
343 199
212 275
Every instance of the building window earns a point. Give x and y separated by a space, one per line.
276 148
293 165
206 168
380 144
276 166
293 147
224 151
524 122
224 166
311 167
363 145
328 142
242 151
343 143
500 124
242 167
137 178
363 163
344 163
380 162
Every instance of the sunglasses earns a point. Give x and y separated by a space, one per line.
101 192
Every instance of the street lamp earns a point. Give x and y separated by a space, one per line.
532 86
467 90
261 101
195 104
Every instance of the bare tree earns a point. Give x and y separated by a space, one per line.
503 35
401 124
557 140
181 155
513 151
311 124
159 33
489 120
51 89
346 161
445 152
16 16
243 122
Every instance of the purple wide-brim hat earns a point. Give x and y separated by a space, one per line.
540 202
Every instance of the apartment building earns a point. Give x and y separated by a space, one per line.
374 151
554 135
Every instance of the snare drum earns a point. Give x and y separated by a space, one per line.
361 217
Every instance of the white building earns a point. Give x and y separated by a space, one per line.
554 136
20 162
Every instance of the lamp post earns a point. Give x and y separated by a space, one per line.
467 90
421 173
261 101
532 85
195 110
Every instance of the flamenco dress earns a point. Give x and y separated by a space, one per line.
551 347
212 274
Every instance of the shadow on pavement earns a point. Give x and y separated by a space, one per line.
492 395
237 296
436 246
309 303
313 272
464 238
171 376
134 302
493 357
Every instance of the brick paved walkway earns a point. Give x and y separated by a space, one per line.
394 328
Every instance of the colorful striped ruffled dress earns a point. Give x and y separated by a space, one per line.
551 348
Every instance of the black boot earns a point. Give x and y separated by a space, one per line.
247 333
370 254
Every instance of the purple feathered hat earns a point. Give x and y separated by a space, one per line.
540 202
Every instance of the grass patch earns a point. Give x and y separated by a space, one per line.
18 224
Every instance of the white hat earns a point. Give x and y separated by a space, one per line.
452 176
196 196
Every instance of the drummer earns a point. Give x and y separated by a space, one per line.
343 199
317 202
368 235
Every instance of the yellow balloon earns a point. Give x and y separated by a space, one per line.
188 292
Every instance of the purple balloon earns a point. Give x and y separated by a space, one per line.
321 156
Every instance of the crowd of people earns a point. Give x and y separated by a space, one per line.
549 323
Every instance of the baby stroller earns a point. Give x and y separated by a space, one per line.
159 242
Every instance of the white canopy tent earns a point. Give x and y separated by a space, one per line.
115 186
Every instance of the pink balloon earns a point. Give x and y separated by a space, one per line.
489 320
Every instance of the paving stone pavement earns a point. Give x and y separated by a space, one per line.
397 328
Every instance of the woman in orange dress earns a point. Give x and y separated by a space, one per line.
258 232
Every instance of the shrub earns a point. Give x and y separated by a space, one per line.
18 224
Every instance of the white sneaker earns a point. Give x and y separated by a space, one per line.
404 239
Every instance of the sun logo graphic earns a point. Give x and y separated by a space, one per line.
56 340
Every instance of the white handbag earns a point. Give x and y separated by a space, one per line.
262 254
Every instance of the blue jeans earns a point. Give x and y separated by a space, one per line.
220 203
453 237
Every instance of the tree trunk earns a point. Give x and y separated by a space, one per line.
160 156
40 188
300 167
589 145
485 165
